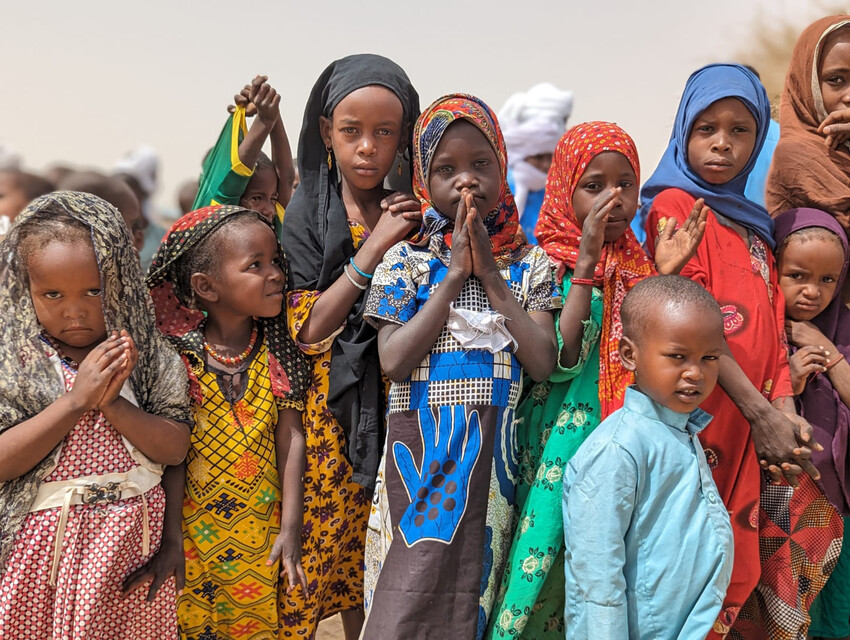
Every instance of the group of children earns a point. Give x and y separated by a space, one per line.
387 404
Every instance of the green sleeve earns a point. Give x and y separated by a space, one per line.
223 176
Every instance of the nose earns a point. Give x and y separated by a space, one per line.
275 274
465 180
73 311
811 291
266 209
366 146
692 372
720 142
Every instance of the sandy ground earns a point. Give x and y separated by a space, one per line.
330 629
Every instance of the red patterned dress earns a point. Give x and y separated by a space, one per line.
101 546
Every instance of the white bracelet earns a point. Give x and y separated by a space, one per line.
362 287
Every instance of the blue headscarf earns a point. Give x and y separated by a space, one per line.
706 86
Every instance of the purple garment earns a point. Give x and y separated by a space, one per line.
819 403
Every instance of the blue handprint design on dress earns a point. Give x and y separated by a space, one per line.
438 488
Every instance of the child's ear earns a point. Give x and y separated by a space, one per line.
204 287
627 353
325 127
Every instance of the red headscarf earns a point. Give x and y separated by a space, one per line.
623 261
502 223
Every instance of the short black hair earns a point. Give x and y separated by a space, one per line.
31 184
114 190
263 162
203 258
660 293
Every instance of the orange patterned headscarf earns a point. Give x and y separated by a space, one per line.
502 223
623 261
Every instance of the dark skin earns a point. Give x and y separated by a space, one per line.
371 125
608 189
260 99
247 284
65 286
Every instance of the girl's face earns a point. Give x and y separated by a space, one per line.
808 275
834 71
608 170
722 140
261 193
65 289
248 280
365 132
464 159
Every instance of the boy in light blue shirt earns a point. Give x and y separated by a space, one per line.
648 540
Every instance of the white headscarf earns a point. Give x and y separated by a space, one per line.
532 123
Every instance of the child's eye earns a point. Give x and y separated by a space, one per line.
705 128
710 358
835 80
94 293
828 279
676 356
481 163
384 132
349 130
795 276
445 169
52 295
593 186
741 130
625 184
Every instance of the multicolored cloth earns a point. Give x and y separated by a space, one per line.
554 418
29 383
805 172
741 274
224 177
623 262
101 547
502 223
445 509
231 509
336 507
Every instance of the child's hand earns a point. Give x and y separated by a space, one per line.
243 99
114 389
168 561
593 229
804 363
836 128
482 249
461 260
404 203
805 334
97 371
394 224
265 99
675 247
287 551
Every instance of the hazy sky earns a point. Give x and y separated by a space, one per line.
85 81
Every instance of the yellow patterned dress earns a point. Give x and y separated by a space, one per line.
231 510
336 509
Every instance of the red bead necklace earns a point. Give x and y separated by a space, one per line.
232 360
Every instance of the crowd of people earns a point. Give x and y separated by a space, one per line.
450 375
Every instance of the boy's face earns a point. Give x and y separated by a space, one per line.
12 198
261 193
676 360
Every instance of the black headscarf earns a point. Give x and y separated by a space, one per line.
317 241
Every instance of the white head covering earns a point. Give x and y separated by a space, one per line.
532 123
9 157
141 163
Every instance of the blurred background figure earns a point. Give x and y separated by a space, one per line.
9 157
17 188
139 170
186 193
532 123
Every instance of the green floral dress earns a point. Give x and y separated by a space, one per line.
554 418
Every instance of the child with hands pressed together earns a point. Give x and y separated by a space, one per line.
719 130
218 283
462 310
236 171
591 198
648 542
93 404
341 221
812 258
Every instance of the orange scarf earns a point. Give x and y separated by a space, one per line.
623 262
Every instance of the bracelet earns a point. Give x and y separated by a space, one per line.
362 287
368 276
586 281
830 365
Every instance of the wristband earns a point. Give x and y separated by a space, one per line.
368 276
585 281
835 361
362 287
